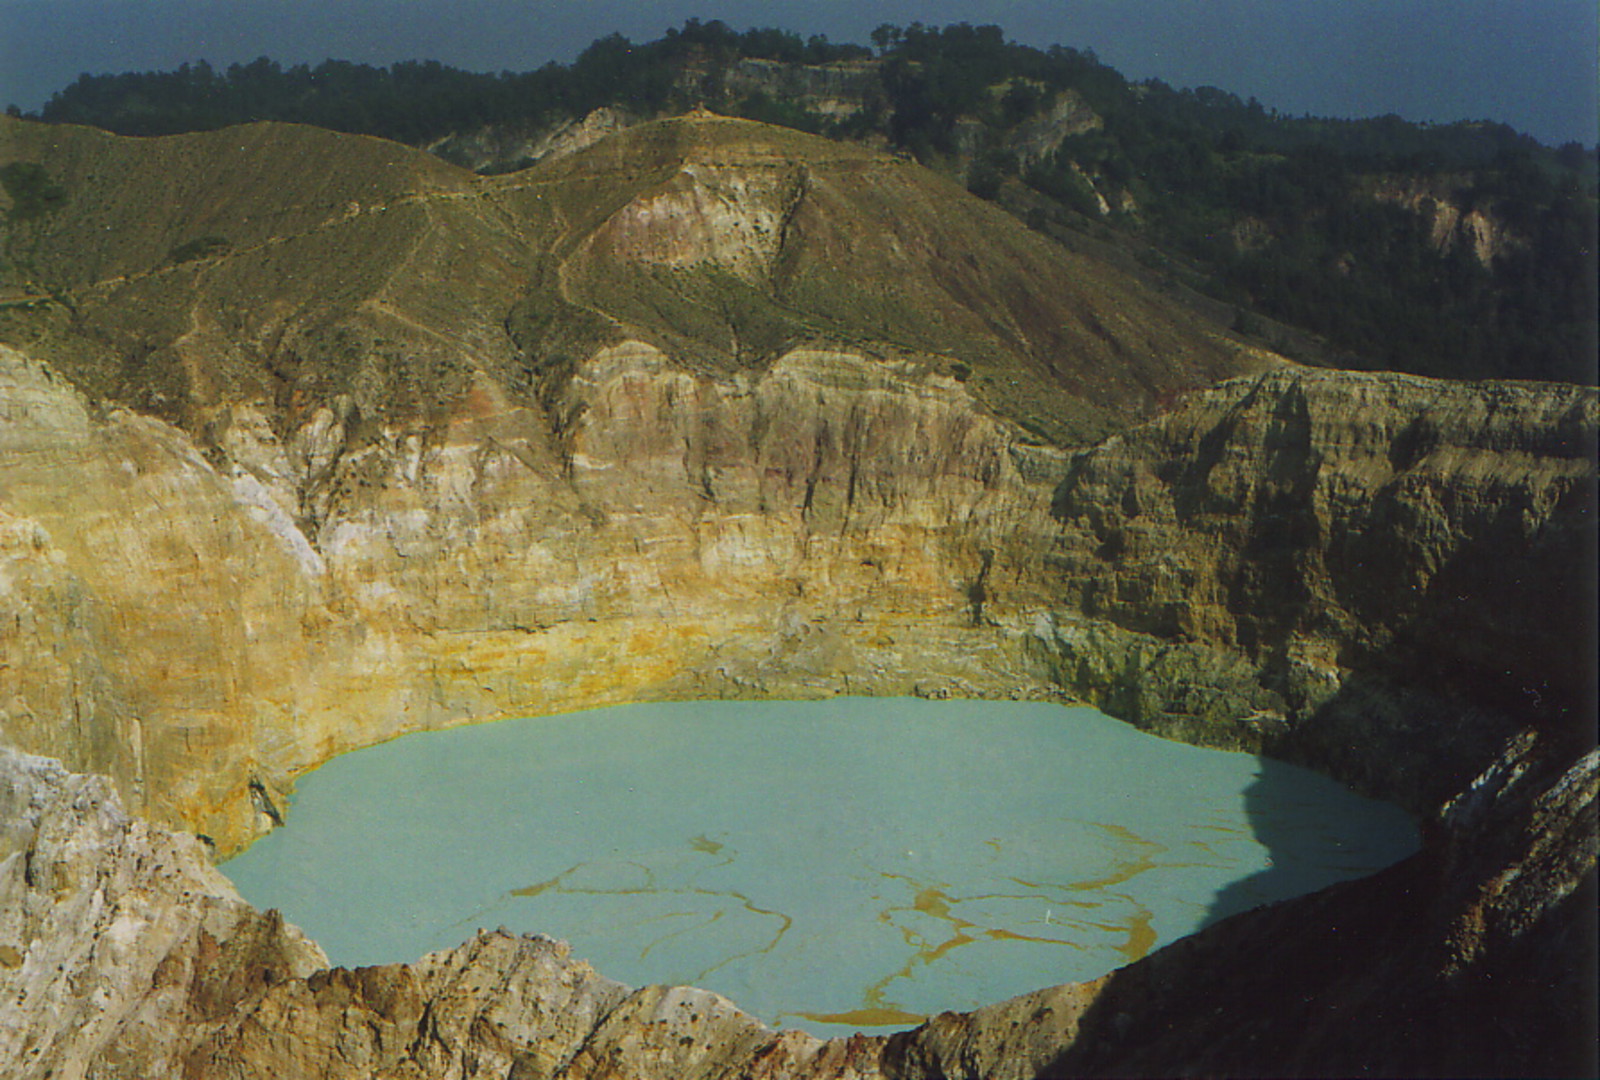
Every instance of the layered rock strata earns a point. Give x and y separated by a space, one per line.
1386 599
1379 574
256 610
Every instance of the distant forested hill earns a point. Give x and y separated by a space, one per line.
1463 250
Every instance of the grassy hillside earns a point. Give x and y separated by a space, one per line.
199 268
1461 250
292 265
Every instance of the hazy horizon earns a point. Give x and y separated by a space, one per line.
1528 64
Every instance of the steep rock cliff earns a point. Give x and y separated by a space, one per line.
838 91
1404 565
354 443
116 935
817 529
1384 599
1451 213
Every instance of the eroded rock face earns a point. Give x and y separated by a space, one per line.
833 524
115 935
1449 213
495 148
817 528
837 91
1400 563
1386 598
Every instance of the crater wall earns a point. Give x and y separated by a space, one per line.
1380 575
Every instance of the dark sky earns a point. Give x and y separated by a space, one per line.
1530 63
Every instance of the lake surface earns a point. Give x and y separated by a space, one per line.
849 864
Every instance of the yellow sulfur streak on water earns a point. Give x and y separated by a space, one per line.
1126 869
706 845
869 1017
535 890
927 899
1141 936
701 844
933 901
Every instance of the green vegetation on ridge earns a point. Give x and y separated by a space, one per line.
300 268
32 191
1340 227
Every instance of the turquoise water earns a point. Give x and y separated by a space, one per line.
849 864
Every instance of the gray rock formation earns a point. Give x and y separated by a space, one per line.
116 936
